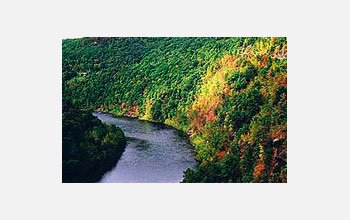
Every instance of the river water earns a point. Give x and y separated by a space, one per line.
156 153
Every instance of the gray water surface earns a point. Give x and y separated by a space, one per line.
156 153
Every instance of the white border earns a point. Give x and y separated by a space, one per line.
30 89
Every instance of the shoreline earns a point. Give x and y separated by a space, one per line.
185 134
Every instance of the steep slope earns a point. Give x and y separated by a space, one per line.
228 94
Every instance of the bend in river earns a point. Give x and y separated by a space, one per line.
154 153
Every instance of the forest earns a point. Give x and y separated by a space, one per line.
89 147
229 95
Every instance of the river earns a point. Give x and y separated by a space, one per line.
154 153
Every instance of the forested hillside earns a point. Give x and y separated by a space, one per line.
228 94
89 147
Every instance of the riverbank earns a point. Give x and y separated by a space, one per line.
155 152
89 147
167 122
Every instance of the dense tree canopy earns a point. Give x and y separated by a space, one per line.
90 148
228 94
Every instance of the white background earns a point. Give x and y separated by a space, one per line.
318 109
